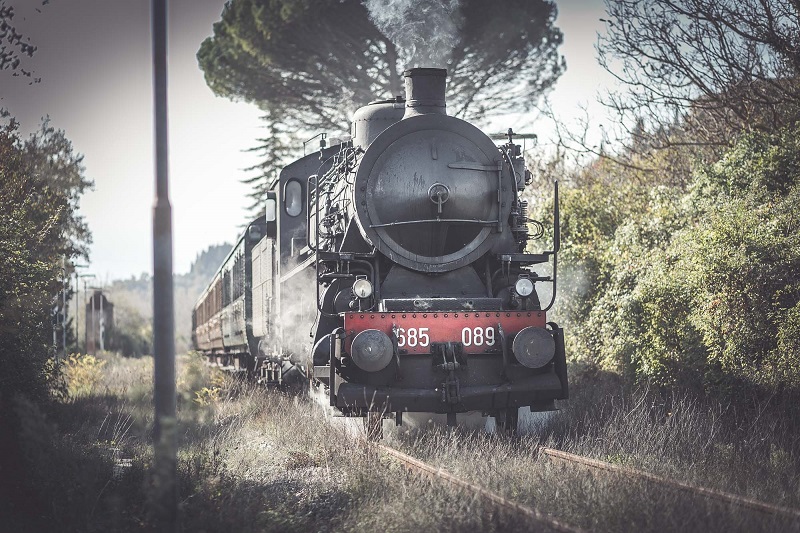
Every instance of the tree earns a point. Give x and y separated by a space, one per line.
711 67
13 45
310 63
49 156
131 334
315 61
41 180
274 151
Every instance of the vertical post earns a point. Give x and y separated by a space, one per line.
82 309
86 326
102 322
94 330
165 496
64 306
77 311
54 318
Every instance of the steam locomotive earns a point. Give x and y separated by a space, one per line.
390 271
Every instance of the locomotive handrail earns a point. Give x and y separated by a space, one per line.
554 282
556 220
319 182
496 166
426 220
471 165
314 177
556 243
322 142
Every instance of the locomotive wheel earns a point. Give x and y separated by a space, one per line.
506 420
373 425
247 363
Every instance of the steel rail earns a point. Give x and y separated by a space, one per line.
492 497
725 497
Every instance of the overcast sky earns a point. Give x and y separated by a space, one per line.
94 60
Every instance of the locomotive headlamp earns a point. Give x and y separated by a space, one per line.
534 347
372 350
362 288
524 287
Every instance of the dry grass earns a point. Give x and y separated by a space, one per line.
277 464
249 460
754 452
256 460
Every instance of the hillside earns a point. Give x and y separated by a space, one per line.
133 302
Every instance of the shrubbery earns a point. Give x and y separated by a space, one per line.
41 180
131 334
695 286
82 372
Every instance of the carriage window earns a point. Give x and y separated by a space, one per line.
270 209
293 198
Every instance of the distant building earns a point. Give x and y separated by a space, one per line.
99 320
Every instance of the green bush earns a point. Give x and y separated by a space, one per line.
83 372
695 287
743 257
41 180
131 334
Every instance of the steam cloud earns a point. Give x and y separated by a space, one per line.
424 31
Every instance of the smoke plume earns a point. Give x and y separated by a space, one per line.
424 31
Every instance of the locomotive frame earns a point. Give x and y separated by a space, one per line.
416 292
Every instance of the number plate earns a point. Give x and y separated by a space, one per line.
478 332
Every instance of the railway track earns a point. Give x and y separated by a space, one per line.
537 517
711 494
543 520
498 501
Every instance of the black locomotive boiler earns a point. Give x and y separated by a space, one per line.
390 270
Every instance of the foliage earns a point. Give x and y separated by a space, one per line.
132 333
207 396
41 180
258 459
682 244
314 61
274 151
83 372
746 256
310 63
671 434
13 45
715 67
695 287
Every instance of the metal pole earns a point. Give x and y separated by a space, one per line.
64 301
86 326
81 309
94 330
102 322
54 318
77 311
165 445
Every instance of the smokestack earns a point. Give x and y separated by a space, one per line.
425 91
